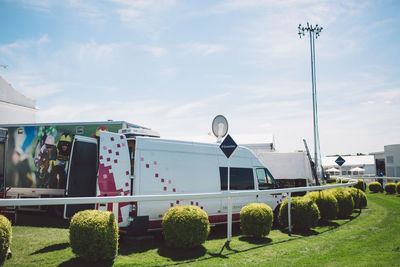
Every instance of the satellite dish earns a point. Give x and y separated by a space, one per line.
220 126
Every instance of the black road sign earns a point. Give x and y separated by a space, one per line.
340 161
228 146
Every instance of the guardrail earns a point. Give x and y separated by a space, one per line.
217 195
368 178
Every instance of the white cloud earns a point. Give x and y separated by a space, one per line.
148 16
203 49
25 44
95 51
154 51
34 86
40 5
84 8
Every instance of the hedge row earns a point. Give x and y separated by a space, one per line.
94 233
390 188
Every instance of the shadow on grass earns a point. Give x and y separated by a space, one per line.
255 241
129 246
219 231
330 224
36 219
184 256
180 254
51 248
301 232
79 262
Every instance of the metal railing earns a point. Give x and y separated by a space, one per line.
143 198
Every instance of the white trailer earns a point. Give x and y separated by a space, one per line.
154 166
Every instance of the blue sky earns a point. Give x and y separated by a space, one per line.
173 65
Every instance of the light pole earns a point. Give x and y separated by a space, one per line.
314 34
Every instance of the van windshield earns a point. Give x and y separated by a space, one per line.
265 179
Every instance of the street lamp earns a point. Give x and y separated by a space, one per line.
314 34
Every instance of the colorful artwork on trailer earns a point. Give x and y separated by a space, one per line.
38 156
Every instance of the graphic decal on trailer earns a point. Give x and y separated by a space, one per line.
114 172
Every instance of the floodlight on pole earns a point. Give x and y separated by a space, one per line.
314 32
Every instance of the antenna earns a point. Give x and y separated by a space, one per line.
219 127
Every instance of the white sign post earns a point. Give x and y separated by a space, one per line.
228 146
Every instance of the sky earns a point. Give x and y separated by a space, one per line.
174 65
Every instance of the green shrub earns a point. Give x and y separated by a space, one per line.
363 199
345 202
390 188
304 213
185 226
331 181
5 237
361 184
354 192
326 202
398 188
375 187
256 219
93 235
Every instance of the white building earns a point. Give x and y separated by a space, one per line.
392 160
353 165
14 106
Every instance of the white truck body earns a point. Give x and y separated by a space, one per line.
154 166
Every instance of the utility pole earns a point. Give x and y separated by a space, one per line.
314 34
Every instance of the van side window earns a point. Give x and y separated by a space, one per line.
241 178
265 179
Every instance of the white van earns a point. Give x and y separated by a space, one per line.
153 166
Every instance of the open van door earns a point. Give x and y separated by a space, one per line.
115 173
82 173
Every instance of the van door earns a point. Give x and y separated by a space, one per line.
82 173
115 173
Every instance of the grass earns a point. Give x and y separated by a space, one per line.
369 238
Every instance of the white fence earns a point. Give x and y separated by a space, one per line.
369 179
142 198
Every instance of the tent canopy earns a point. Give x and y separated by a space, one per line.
293 165
357 169
332 170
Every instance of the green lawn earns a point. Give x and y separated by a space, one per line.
369 238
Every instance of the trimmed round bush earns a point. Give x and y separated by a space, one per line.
354 192
375 187
361 184
390 188
363 199
5 237
256 219
93 235
398 188
345 202
326 202
185 226
304 213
